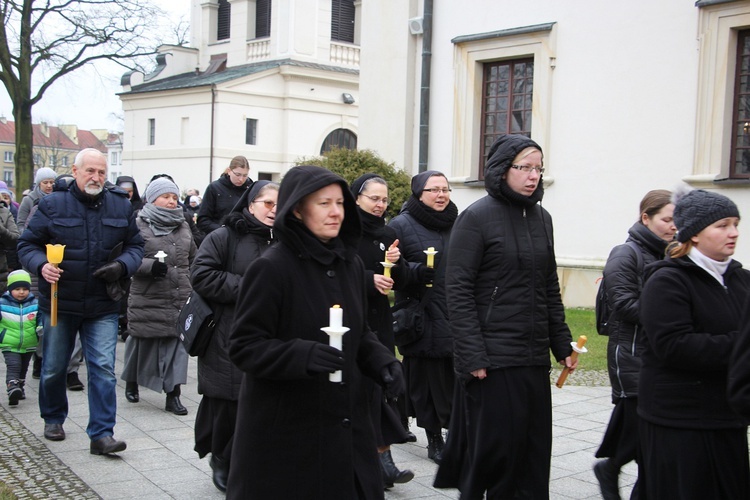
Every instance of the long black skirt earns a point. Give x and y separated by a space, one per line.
620 440
500 438
429 389
692 464
214 427
386 419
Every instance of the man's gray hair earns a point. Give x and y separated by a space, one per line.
78 162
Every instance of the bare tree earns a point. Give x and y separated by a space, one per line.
41 41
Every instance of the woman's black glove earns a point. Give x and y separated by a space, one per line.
158 269
393 380
110 272
324 359
426 274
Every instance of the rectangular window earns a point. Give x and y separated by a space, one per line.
53 161
37 159
224 20
740 156
184 128
64 161
8 177
342 20
114 158
151 131
251 131
506 102
262 18
9 157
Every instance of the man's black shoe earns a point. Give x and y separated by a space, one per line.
54 432
73 382
107 445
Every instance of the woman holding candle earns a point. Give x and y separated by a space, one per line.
692 443
623 279
378 248
426 221
506 315
154 355
221 261
299 435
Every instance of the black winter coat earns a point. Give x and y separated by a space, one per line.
298 435
220 198
414 238
690 324
222 260
505 304
625 346
90 228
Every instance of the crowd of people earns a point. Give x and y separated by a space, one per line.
288 268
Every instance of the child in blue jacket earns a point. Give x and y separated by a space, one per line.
18 332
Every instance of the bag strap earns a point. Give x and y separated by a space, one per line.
232 246
638 261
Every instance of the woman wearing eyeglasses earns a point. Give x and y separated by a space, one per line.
222 194
506 314
379 243
426 221
222 260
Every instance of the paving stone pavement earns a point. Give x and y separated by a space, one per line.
160 463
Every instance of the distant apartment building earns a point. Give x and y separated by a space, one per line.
56 147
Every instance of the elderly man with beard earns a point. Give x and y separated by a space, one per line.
102 245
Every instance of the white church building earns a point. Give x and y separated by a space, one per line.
623 97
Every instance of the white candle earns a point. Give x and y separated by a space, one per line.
336 317
160 255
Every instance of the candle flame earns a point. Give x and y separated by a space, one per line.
336 306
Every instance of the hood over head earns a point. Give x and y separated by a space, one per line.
301 181
126 178
500 158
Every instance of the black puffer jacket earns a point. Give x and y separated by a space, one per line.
504 296
625 346
219 199
415 238
690 324
222 260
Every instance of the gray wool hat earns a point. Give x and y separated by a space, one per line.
697 209
158 187
44 173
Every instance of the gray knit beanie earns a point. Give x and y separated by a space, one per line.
43 174
158 187
696 209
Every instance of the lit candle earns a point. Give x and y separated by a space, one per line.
336 317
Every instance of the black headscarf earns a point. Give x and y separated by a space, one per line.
429 217
135 200
299 182
372 225
241 220
499 159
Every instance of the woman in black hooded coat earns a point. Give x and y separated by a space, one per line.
506 314
220 263
299 435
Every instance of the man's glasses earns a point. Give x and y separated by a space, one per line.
438 190
377 199
240 176
268 203
528 168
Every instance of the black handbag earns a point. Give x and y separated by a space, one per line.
196 325
408 319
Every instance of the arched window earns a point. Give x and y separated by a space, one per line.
339 138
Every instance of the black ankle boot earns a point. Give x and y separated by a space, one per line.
391 474
220 469
435 445
131 392
173 404
607 474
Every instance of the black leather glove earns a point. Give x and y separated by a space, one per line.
324 359
426 274
158 269
393 380
110 272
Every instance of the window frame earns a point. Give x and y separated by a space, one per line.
343 14
251 131
9 157
223 20
151 137
263 18
471 53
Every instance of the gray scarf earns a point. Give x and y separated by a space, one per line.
162 220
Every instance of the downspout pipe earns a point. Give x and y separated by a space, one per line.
211 145
424 106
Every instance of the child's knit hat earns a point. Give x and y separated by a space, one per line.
19 278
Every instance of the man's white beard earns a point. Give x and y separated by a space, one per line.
93 189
